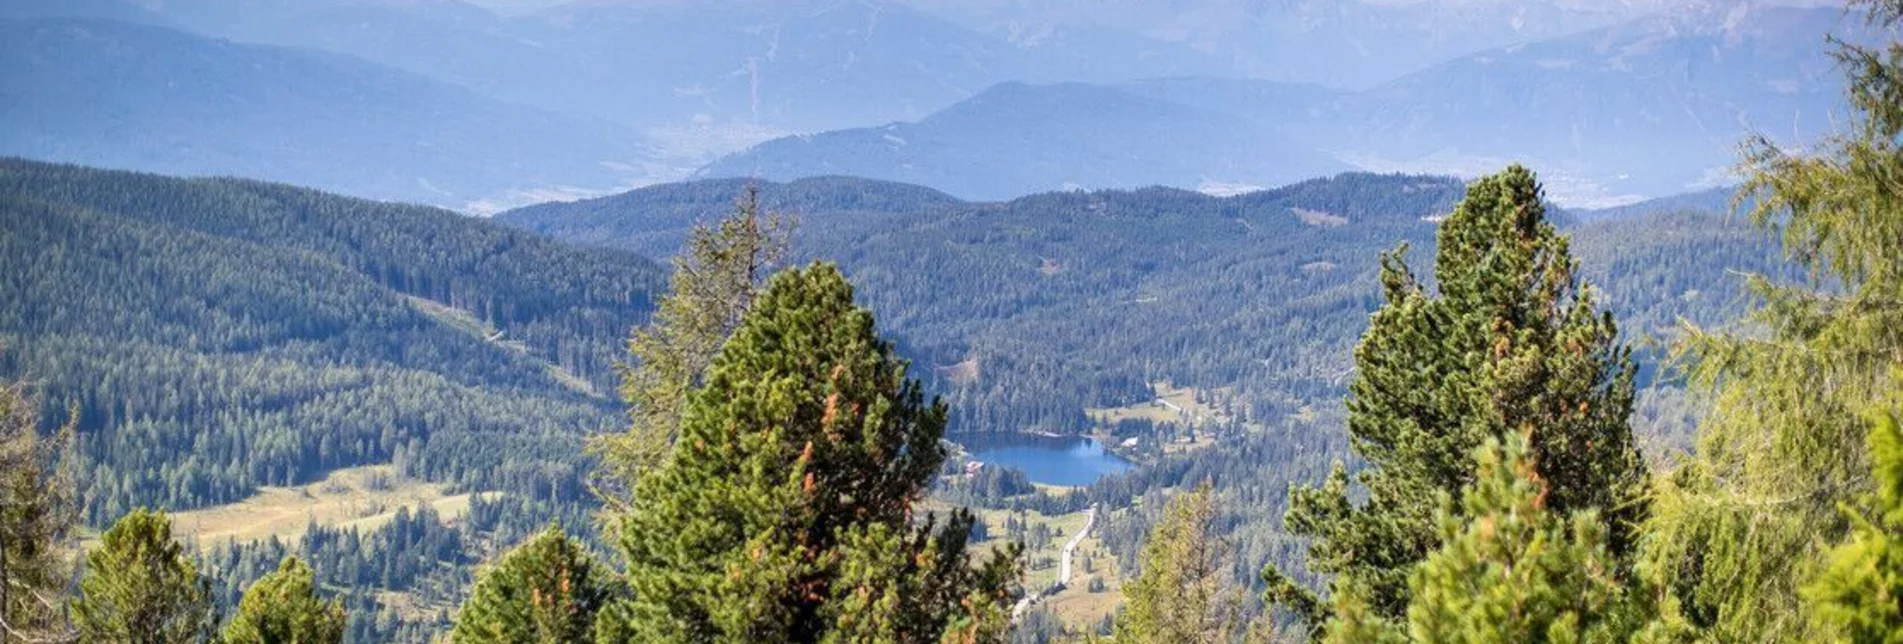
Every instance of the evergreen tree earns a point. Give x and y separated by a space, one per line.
37 516
1508 570
792 489
1860 591
1512 344
283 608
919 585
1183 593
546 590
140 587
713 284
1783 449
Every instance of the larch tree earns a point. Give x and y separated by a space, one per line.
1737 526
1859 592
787 511
1183 593
283 608
1511 344
714 283
141 588
548 589
38 514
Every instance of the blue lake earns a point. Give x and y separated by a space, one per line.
1069 461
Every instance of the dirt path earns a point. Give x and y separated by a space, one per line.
1063 572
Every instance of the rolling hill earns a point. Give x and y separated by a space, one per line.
215 335
1032 310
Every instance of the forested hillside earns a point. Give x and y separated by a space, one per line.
214 335
1035 309
337 332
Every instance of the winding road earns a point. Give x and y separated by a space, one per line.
1063 570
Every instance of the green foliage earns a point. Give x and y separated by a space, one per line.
1737 527
1512 345
417 558
1183 594
1065 301
140 587
256 342
1508 570
546 590
713 285
38 513
283 608
793 479
1860 589
902 584
215 335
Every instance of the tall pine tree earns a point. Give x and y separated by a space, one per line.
1509 570
1736 528
785 513
283 608
1512 344
1860 591
546 590
140 588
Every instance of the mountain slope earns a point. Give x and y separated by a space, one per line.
654 220
1016 139
117 94
779 66
218 334
1028 312
1650 107
1647 107
1031 310
1341 43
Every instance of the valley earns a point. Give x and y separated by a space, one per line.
1254 377
987 321
450 104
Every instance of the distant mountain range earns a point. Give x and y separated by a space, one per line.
468 106
1648 107
117 94
1018 139
1342 43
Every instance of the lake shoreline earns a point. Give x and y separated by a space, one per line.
1062 461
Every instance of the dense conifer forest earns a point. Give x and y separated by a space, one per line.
475 364
216 335
1432 410
1067 301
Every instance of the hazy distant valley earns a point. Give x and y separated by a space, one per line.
982 100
